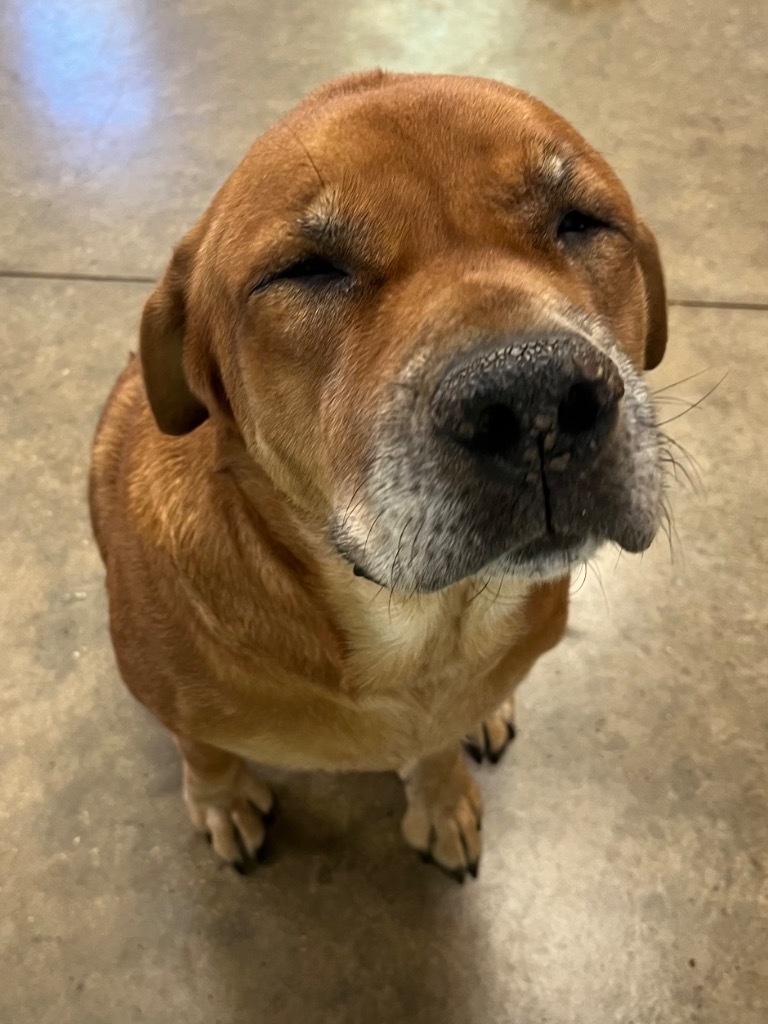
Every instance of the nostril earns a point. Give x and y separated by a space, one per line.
581 408
495 430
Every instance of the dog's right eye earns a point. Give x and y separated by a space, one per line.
314 271
577 223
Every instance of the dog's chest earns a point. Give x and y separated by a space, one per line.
428 661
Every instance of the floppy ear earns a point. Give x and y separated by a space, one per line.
656 296
162 341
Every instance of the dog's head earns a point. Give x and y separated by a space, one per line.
425 304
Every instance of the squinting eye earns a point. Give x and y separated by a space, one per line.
316 271
576 222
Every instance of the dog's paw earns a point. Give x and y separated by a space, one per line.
444 814
231 815
492 737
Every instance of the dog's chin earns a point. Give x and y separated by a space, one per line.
546 558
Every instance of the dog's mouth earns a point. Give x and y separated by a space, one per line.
548 556
561 547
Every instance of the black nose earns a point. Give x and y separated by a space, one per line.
551 399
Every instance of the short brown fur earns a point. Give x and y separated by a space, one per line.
233 618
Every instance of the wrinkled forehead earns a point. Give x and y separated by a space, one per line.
438 129
409 145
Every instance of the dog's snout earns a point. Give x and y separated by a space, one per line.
554 399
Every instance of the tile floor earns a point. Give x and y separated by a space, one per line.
625 879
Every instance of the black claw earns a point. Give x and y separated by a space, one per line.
457 874
264 852
479 753
239 867
474 868
487 739
494 756
209 838
474 751
245 855
266 816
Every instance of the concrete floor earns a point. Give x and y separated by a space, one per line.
624 879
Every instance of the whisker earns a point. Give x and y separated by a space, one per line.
599 576
370 531
684 451
665 525
696 404
683 380
676 466
396 559
581 579
416 540
668 439
351 510
673 400
308 156
675 544
501 586
482 589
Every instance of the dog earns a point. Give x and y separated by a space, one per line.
389 395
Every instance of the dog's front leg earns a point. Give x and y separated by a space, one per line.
444 812
225 801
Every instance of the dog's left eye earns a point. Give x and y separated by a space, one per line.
577 222
313 270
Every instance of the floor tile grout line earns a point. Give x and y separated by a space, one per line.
50 275
758 307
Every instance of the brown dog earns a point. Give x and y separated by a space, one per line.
389 395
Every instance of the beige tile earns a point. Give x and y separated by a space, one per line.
121 119
626 833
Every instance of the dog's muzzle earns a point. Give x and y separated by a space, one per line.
522 455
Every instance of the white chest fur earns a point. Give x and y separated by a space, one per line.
423 662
